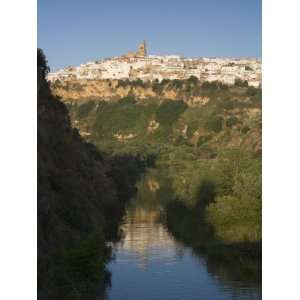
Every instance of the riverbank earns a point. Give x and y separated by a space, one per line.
152 263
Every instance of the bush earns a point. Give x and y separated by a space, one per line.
241 83
138 82
123 83
157 87
235 219
230 165
245 129
210 85
203 139
124 116
165 82
251 91
193 80
228 104
87 260
214 85
232 121
169 111
128 100
214 123
176 83
84 109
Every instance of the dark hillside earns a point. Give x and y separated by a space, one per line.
79 203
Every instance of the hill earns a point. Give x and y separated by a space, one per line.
81 199
211 150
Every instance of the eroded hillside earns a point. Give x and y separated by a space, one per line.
224 117
77 90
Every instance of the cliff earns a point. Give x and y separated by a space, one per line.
205 117
77 90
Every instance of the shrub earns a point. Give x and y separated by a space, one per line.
241 83
193 80
165 81
210 85
232 121
138 82
231 163
251 91
84 109
87 260
214 123
157 87
56 84
123 83
214 85
169 111
227 104
203 139
235 219
176 83
247 182
245 129
130 99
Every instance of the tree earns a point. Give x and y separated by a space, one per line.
251 91
214 123
193 80
241 83
42 62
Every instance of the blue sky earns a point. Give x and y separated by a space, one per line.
76 31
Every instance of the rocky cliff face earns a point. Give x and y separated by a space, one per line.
76 90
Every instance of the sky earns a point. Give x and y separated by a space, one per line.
72 32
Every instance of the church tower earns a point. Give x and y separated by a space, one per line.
142 49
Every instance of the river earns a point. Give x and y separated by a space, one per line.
150 264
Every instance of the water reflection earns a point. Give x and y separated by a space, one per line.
146 239
150 264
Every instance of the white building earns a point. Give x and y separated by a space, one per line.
170 66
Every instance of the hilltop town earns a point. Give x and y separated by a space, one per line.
140 65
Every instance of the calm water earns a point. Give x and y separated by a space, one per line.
150 265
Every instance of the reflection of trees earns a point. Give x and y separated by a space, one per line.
154 190
234 269
144 233
235 266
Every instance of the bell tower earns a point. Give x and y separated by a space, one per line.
142 49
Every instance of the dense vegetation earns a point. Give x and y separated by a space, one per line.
208 150
211 152
82 194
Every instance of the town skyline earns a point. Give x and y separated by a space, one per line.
71 32
141 65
